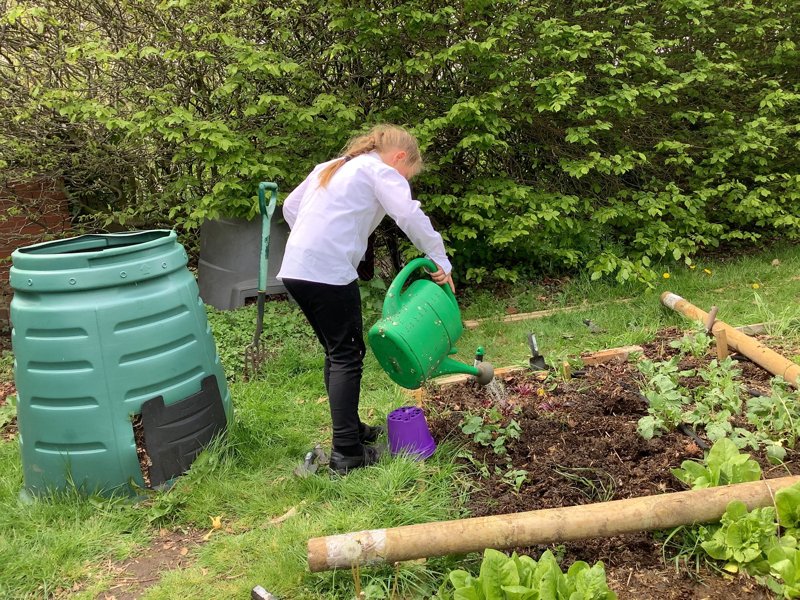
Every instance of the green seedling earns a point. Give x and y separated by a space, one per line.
696 344
489 431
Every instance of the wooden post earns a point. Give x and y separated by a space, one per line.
546 526
566 370
722 344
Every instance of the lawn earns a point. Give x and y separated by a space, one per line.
244 518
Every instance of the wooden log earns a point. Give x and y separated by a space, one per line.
546 526
620 354
738 341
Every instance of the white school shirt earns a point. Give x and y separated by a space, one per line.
330 226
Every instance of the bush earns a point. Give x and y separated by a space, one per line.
558 135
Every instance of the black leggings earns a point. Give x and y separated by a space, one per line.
334 312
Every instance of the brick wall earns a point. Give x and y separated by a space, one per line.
30 212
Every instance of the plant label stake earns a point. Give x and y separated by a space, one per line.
415 336
254 354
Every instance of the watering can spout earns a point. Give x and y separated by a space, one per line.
483 371
418 331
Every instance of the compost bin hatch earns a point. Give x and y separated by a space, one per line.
175 434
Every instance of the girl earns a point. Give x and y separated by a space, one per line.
331 216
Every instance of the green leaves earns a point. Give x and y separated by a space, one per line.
604 138
742 535
522 578
724 465
784 563
491 431
666 398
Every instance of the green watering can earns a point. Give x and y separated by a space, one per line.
415 336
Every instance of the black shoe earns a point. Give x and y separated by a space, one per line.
341 463
370 434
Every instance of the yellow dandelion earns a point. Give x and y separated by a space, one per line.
692 266
707 271
756 286
666 275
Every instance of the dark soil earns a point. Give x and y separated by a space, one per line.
169 551
141 451
579 445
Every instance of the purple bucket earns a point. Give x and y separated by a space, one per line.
408 433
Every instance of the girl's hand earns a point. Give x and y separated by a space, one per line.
440 277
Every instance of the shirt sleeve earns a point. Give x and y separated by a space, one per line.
394 194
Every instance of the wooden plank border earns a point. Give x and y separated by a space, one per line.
540 314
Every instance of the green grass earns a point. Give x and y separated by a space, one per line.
247 479
729 286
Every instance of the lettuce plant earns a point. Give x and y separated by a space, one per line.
723 465
516 577
784 564
743 537
787 505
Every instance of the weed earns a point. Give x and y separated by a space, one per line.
594 483
234 330
8 411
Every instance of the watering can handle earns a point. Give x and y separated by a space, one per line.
266 217
392 302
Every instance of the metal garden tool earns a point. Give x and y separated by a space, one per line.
259 593
415 336
314 458
536 361
255 354
593 327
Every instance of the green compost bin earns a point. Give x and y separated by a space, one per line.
104 326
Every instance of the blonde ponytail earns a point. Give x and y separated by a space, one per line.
379 139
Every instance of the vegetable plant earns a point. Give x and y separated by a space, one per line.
742 537
696 343
723 465
784 564
489 430
665 397
516 577
718 400
777 416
